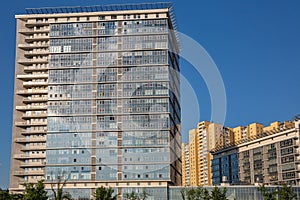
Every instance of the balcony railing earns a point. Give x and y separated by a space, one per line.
33 53
31 124
41 148
23 173
37 38
31 83
37 164
35 99
33 46
28 31
27 140
31 76
28 92
41 115
32 61
33 23
31 107
24 156
32 132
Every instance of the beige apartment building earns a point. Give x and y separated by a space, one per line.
205 137
96 99
270 158
211 137
185 159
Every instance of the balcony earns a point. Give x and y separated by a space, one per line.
31 108
30 92
31 76
33 23
37 38
35 68
35 53
29 173
33 46
24 156
25 124
32 83
35 99
41 115
29 31
38 148
32 164
27 140
33 132
32 61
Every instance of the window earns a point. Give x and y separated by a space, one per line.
78 19
88 19
74 160
114 17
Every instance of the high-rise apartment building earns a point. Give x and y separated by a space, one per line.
205 137
185 159
97 99
271 157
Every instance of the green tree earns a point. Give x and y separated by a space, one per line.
136 196
58 192
199 193
16 196
35 191
184 193
286 193
267 195
283 192
103 193
218 194
4 194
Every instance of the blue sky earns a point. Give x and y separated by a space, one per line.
255 44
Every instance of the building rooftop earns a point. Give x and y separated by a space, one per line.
99 8
107 8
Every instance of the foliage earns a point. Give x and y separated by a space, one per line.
286 193
267 195
58 193
4 194
282 192
218 194
103 193
135 196
35 191
199 193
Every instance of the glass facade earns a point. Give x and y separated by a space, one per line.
225 166
113 103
